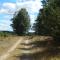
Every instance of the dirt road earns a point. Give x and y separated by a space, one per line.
11 49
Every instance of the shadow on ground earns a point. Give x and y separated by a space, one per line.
47 55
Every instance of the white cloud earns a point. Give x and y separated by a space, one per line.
7 8
5 28
5 25
9 5
32 6
36 6
3 10
7 17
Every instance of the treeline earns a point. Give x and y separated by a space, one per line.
6 33
48 19
47 22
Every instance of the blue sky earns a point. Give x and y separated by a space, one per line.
8 1
8 7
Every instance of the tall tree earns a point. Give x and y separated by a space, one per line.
21 22
48 19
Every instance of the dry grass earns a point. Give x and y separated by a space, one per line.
6 42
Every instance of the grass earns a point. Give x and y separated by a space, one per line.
6 42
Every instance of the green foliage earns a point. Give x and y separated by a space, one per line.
21 22
5 33
48 19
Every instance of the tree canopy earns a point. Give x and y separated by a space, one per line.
21 22
48 19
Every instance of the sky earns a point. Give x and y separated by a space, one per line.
8 8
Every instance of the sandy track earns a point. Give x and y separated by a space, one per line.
11 49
